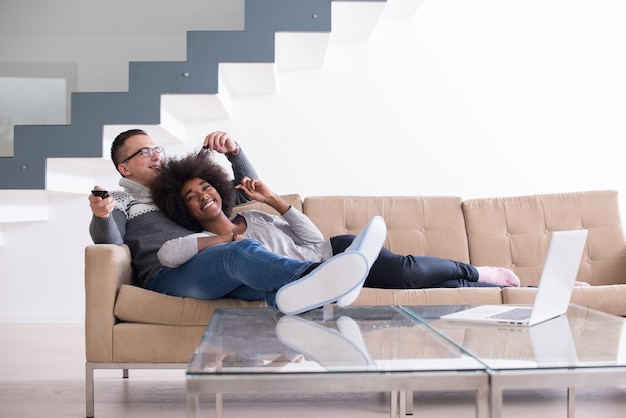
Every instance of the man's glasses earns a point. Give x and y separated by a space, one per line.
146 152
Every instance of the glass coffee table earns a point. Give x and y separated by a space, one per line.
352 349
584 347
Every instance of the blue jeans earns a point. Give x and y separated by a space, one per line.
395 271
240 270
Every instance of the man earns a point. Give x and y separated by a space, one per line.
241 269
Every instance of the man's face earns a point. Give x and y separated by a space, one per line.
140 168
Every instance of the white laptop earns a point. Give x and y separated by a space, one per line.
555 286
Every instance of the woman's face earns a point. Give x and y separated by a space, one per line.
201 199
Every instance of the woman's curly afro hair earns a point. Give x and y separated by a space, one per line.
175 171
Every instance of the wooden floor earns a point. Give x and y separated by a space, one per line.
42 375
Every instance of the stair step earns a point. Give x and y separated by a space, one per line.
169 98
300 51
245 80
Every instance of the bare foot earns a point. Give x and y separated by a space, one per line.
581 284
498 276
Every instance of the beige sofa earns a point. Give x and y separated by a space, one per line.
128 327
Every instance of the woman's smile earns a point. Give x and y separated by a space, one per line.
207 202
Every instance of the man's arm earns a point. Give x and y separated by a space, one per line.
108 224
241 168
106 230
222 142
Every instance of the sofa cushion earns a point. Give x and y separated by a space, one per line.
293 199
436 296
514 232
151 343
135 304
416 225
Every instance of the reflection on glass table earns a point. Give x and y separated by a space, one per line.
361 339
581 338
584 347
351 349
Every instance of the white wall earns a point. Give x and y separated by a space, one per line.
468 98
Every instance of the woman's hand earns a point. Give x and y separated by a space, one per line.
257 190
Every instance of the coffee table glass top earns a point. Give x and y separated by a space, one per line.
333 339
582 338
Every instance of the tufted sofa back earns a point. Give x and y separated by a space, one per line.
415 225
514 232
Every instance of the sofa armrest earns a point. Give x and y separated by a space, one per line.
107 268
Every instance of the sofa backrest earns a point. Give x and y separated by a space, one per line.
293 199
514 232
511 232
415 225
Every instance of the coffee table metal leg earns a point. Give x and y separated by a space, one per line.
402 404
571 402
495 401
482 403
393 407
193 405
218 405
409 402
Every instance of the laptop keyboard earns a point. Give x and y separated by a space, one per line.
514 314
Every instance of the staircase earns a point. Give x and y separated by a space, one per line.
165 97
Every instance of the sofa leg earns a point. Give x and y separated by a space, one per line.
125 367
89 390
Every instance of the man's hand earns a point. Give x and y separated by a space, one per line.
221 142
100 207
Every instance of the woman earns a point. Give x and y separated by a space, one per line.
197 193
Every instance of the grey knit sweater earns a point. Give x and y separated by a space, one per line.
138 222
